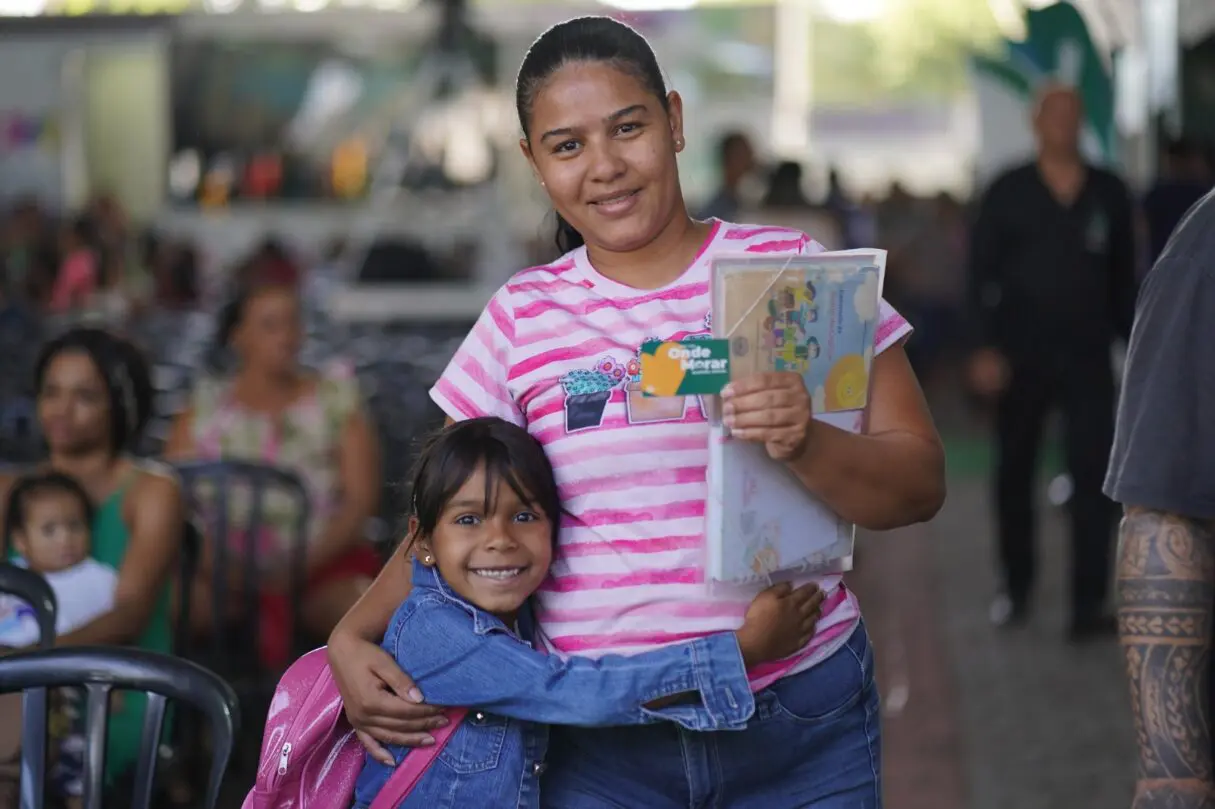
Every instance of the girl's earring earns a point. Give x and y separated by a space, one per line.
428 559
679 144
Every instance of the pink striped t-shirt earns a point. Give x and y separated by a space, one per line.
556 351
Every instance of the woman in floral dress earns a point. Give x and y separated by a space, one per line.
273 411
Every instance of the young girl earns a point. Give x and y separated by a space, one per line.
483 528
551 352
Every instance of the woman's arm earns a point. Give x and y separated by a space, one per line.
380 700
155 514
180 446
359 481
891 475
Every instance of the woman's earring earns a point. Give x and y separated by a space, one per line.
428 559
679 144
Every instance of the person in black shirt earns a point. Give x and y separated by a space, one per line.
1052 271
1184 179
1162 469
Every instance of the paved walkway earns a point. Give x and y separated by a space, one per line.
980 719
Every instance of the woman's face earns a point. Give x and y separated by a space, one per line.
604 149
73 404
269 335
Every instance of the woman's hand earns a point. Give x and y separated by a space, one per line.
773 409
381 702
779 623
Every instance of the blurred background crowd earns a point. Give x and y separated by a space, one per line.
357 164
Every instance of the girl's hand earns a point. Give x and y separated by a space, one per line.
381 701
779 623
773 409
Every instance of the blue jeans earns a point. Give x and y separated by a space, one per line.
814 743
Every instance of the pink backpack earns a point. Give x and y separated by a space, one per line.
310 755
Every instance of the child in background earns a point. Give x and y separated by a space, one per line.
79 272
47 524
483 525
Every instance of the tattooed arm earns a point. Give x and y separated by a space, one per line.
1166 595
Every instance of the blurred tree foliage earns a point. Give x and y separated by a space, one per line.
916 51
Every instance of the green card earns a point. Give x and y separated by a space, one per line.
696 367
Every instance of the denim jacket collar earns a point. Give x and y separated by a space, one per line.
428 578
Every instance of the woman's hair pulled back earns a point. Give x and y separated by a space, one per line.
584 39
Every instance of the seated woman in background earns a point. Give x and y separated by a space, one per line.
273 411
94 398
80 271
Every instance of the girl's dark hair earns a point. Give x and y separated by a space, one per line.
30 486
584 39
128 382
508 453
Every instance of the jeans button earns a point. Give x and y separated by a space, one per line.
538 768
478 717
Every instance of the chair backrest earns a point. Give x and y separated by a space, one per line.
101 670
34 591
31 588
191 553
219 477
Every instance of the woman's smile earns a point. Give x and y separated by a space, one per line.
617 205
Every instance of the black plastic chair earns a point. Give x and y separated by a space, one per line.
101 670
34 591
191 552
219 477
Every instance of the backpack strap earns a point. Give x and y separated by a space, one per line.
407 774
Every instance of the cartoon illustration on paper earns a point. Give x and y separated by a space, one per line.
763 558
812 327
791 310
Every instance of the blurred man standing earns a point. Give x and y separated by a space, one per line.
1162 469
1052 278
737 158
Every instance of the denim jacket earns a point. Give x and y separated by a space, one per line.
461 656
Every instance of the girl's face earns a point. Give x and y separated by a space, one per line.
493 555
55 535
270 334
604 149
73 403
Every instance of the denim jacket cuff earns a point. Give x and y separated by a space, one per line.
721 678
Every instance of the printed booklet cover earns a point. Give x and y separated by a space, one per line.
817 316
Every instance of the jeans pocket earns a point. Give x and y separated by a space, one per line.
476 745
829 689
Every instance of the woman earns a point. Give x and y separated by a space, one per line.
79 274
276 412
602 134
94 398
